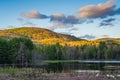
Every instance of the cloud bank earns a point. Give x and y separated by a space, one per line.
57 17
94 11
85 14
107 22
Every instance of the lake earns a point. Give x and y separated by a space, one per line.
81 65
66 70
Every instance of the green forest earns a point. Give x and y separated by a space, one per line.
16 51
101 52
23 50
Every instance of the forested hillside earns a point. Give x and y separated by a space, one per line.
48 45
38 35
45 36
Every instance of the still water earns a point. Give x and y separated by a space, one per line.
82 66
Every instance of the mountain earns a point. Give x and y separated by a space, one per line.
45 36
38 35
109 40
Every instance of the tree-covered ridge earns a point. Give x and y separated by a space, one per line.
45 36
22 51
36 34
108 39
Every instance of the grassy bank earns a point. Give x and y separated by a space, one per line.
57 61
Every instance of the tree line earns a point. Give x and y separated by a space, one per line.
16 51
22 52
103 51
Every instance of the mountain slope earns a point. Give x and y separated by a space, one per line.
37 34
109 40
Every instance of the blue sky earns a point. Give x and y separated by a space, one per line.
89 19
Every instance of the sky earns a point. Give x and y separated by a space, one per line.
87 19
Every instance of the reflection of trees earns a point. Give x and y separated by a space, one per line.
54 67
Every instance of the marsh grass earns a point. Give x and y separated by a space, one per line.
21 73
39 74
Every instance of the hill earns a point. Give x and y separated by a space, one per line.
109 40
45 36
38 35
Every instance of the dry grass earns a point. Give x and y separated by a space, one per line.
38 74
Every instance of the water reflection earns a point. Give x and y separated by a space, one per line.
70 66
54 67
